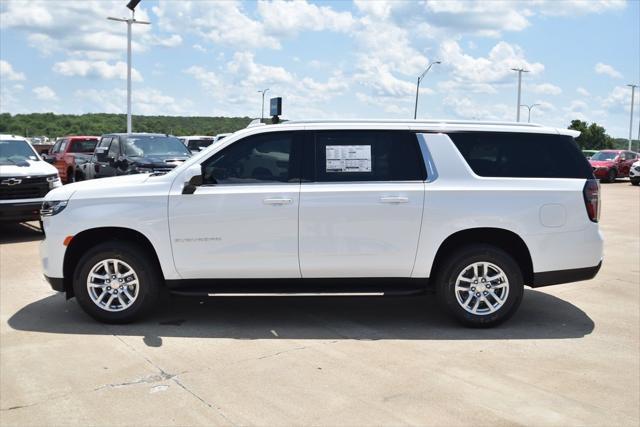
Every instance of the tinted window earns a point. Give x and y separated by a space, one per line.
522 155
255 159
368 156
114 148
151 145
83 146
104 142
197 144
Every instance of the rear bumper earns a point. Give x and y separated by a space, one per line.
548 278
57 283
20 211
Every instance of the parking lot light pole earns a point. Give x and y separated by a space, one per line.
415 111
263 92
520 71
529 107
131 5
633 92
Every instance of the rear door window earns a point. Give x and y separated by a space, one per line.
522 155
363 155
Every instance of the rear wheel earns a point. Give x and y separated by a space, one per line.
116 282
480 285
71 177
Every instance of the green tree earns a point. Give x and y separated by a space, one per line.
592 136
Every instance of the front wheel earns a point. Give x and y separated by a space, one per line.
116 282
612 175
635 181
480 285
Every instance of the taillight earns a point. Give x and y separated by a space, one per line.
591 193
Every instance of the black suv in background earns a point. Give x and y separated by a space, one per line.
123 154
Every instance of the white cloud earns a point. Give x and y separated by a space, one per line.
172 41
146 101
582 91
96 69
285 17
619 99
608 70
199 48
480 72
8 73
545 89
45 93
467 108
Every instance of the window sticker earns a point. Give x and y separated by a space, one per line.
348 158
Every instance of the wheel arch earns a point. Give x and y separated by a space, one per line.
504 239
83 241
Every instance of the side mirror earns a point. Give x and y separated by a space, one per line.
101 154
192 179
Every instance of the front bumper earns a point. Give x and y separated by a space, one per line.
601 172
20 211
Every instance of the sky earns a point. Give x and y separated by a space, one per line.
327 59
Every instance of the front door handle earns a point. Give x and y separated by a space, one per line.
278 201
394 199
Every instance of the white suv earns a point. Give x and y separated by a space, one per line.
336 208
24 180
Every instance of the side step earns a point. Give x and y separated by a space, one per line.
298 287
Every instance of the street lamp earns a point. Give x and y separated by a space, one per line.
529 107
633 92
263 92
415 111
520 71
131 5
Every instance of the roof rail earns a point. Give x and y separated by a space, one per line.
418 122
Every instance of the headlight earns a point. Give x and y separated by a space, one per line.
54 181
53 207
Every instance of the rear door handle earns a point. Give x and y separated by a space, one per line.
278 201
394 199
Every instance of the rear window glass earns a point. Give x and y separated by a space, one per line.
84 146
522 155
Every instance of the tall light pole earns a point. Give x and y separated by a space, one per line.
131 5
520 71
263 92
633 92
529 107
415 111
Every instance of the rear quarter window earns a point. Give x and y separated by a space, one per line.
522 155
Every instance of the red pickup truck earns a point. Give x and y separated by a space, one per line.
68 153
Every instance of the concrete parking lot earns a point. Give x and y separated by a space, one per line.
571 355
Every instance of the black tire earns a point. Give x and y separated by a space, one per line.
145 267
71 177
78 176
612 175
458 262
635 181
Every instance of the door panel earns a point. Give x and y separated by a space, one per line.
359 229
236 231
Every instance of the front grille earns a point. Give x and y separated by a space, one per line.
29 188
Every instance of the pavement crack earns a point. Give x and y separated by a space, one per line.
209 405
149 379
267 356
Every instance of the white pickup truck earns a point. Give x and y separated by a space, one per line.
317 208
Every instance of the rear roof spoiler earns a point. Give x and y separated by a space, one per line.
569 132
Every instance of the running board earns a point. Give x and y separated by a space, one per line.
367 287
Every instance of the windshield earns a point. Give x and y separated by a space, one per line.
604 155
16 151
83 146
195 144
138 146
